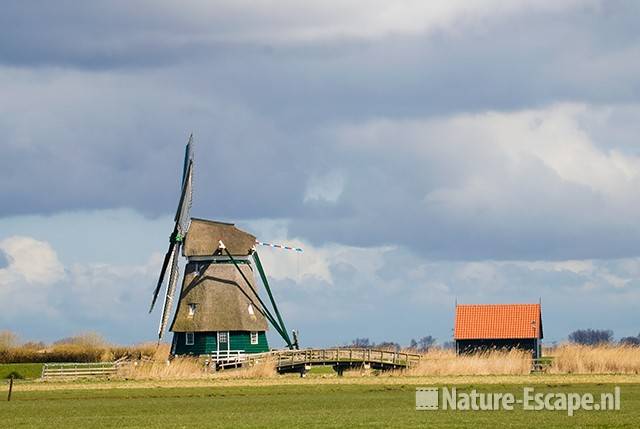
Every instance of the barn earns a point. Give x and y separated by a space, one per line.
480 327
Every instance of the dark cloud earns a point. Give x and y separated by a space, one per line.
98 100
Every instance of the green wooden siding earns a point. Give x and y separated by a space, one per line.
205 342
241 340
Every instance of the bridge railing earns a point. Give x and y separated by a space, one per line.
342 355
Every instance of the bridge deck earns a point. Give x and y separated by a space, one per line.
338 358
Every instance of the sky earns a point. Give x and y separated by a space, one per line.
422 153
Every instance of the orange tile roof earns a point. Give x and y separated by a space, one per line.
494 321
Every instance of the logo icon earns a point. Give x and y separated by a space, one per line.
426 398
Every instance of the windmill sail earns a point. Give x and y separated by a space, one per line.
163 270
175 241
171 288
188 157
182 219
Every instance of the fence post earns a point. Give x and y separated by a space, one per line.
10 387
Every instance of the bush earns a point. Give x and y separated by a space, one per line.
630 341
134 352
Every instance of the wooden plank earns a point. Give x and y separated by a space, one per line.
54 371
79 373
57 371
47 374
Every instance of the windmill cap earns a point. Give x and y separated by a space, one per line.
204 237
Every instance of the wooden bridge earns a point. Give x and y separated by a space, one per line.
300 361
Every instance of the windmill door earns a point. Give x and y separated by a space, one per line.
223 342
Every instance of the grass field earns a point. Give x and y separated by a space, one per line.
300 403
24 370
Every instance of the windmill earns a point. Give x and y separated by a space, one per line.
220 310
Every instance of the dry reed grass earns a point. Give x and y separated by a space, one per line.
182 368
85 347
495 362
190 368
602 359
263 369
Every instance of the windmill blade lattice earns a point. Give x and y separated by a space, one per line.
163 270
171 288
175 242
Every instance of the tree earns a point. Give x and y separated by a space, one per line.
8 340
388 345
33 345
361 343
413 345
89 340
630 341
425 343
591 337
449 345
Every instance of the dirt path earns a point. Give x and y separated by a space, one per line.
328 379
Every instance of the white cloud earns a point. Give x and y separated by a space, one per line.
102 291
32 273
287 21
574 266
329 285
529 184
32 261
317 262
315 266
36 290
552 136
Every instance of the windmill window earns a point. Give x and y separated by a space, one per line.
250 309
189 338
254 338
192 309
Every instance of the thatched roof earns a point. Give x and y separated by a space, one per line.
222 299
203 237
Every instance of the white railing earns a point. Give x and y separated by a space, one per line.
78 370
227 358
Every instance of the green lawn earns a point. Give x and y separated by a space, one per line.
321 370
24 370
289 406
